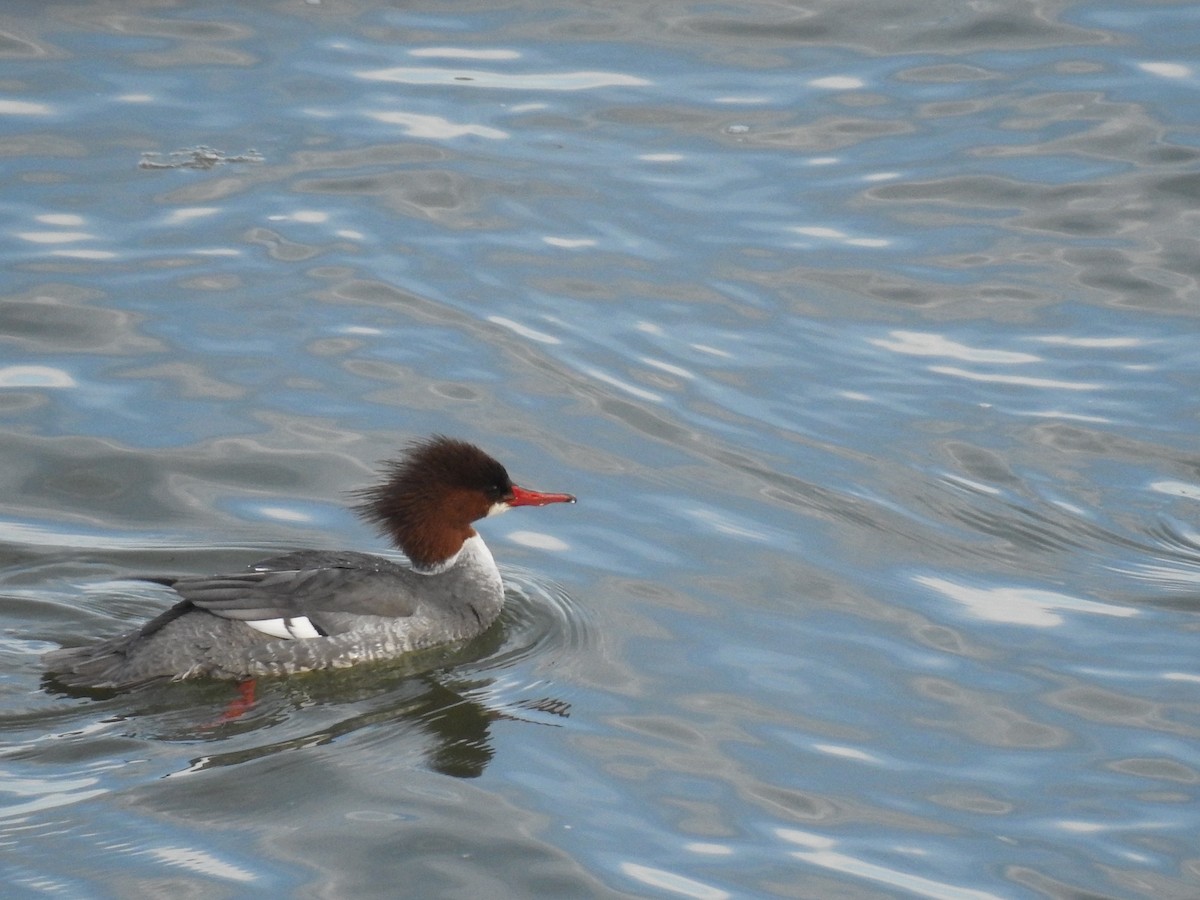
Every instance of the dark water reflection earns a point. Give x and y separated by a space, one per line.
864 333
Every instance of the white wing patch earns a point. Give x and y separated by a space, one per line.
288 629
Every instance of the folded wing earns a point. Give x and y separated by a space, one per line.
304 602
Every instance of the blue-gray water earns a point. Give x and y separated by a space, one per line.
866 333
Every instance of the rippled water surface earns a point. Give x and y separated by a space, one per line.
866 333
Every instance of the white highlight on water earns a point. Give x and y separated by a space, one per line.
524 330
1020 606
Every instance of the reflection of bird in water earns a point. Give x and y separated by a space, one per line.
446 711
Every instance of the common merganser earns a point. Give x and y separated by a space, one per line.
316 609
